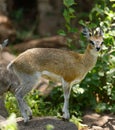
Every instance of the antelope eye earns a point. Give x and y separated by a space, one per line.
102 43
91 42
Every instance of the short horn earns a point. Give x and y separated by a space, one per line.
5 42
86 32
101 33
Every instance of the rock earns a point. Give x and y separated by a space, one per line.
2 118
90 118
40 123
97 128
99 122
49 42
5 78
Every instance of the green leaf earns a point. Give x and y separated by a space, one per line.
71 10
61 32
49 127
112 0
82 23
69 3
101 107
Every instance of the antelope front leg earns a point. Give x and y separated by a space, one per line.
65 110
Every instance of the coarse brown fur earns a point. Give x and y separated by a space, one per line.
64 66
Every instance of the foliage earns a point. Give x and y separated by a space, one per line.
49 127
17 15
9 124
69 15
77 122
11 104
40 105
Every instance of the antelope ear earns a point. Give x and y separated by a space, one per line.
5 42
85 32
101 33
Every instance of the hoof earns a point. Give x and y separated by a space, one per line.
26 120
25 123
64 119
30 117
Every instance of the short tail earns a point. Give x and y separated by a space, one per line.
10 66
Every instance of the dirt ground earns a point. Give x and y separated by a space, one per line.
99 122
92 120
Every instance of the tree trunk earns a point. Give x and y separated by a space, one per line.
3 7
50 17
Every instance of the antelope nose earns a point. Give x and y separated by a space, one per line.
97 48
